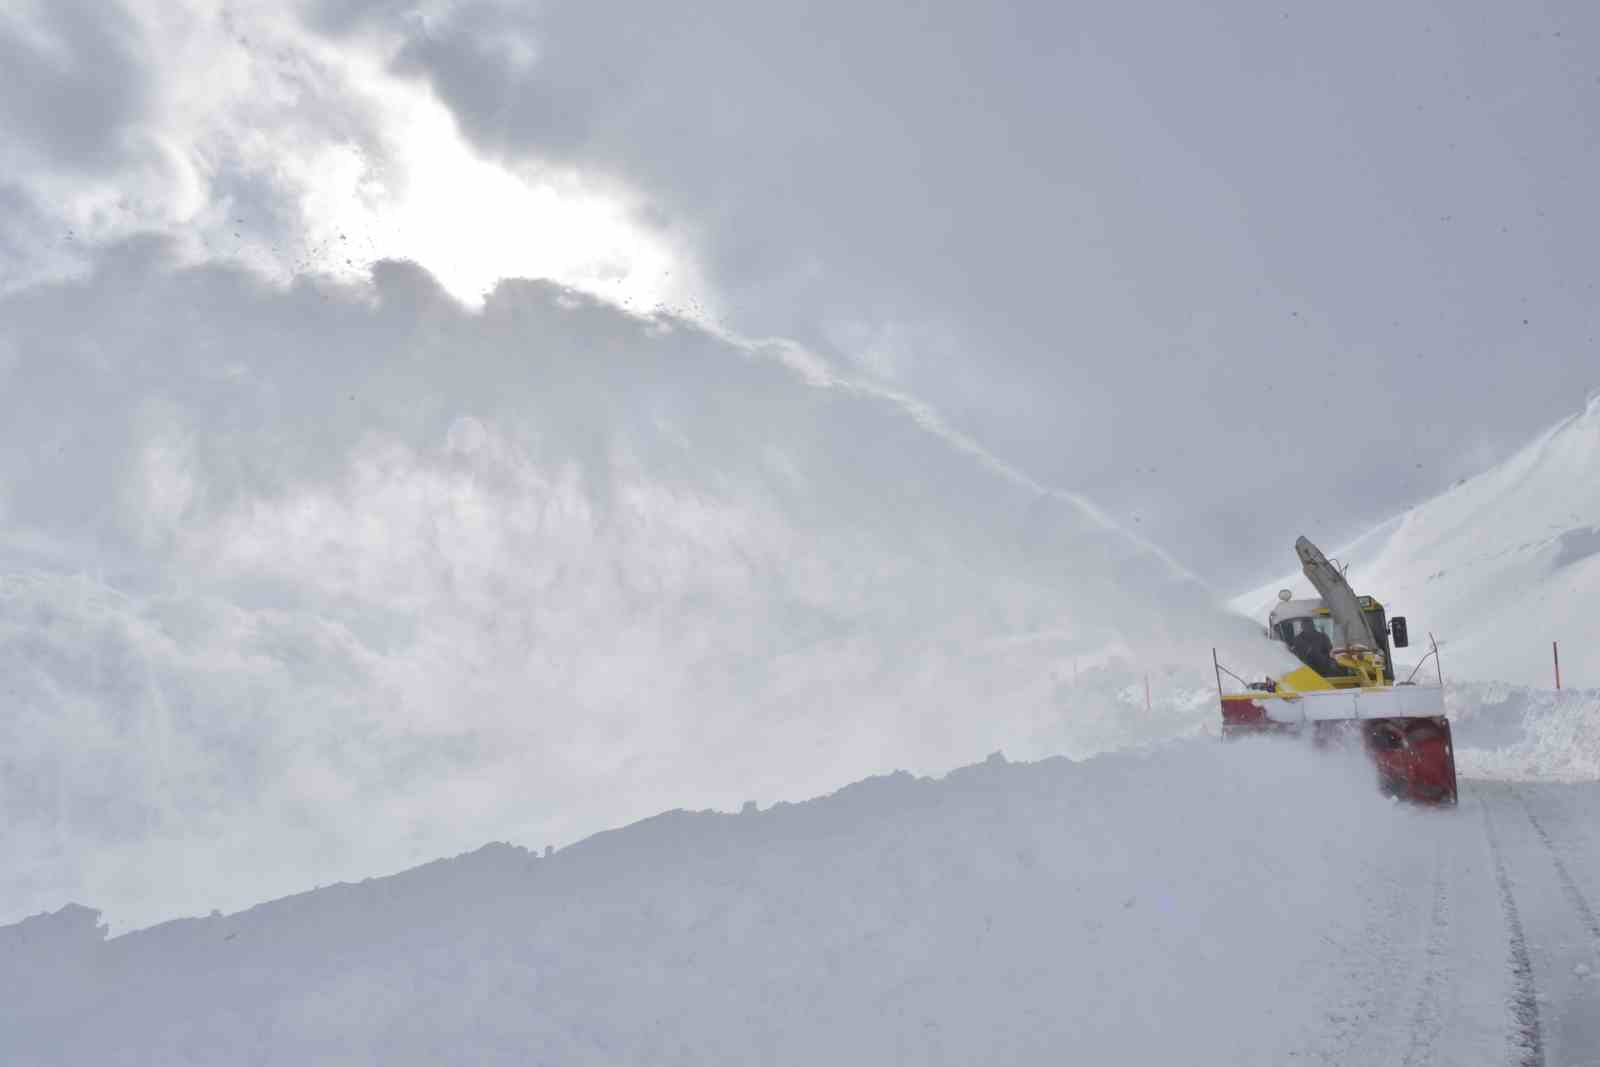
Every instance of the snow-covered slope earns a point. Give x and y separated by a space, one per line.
1498 567
1129 909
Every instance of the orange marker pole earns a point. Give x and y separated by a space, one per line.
1555 653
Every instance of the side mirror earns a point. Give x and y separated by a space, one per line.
1397 626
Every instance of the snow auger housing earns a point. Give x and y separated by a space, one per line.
1346 688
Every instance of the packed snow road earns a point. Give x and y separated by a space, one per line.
1546 857
1483 946
1252 903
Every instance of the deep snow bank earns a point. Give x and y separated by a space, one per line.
1518 732
1124 909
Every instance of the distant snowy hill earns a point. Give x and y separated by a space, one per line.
1498 567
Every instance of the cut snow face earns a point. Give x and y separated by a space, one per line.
1498 567
1519 733
1123 909
317 583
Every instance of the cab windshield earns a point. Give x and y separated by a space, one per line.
1289 629
1314 653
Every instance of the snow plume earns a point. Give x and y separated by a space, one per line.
1120 908
1498 567
311 583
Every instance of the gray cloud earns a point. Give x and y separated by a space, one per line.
190 119
76 81
1155 254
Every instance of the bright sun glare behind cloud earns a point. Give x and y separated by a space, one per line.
472 222
272 146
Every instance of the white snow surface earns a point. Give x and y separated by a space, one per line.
1196 903
1498 567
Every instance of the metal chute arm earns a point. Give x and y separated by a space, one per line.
1356 651
1336 593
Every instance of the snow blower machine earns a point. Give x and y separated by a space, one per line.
1345 690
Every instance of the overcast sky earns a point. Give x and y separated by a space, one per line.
1145 249
1151 252
878 362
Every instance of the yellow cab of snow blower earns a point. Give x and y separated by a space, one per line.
1346 690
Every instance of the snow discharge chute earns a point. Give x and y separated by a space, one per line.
1346 689
1336 594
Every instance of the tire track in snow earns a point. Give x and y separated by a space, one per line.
1426 1026
1396 972
1569 885
1524 998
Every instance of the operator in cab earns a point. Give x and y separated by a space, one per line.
1314 648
